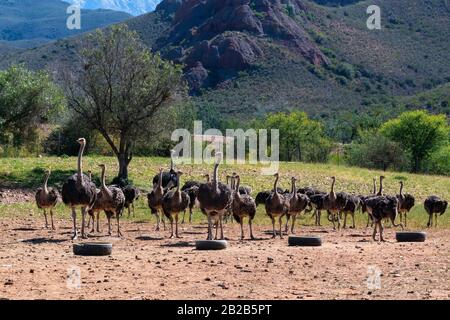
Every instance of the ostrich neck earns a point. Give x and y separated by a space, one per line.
237 194
105 189
215 178
294 188
275 185
46 183
80 163
380 192
177 192
374 186
332 194
160 179
171 162
401 190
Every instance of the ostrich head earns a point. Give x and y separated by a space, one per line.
82 141
102 166
218 157
276 175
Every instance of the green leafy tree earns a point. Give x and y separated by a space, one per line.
301 138
27 99
122 90
419 133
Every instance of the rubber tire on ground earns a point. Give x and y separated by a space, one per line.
410 236
308 241
211 245
92 249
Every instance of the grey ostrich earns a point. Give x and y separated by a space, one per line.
364 198
405 203
173 203
317 202
243 206
334 204
169 178
434 205
79 192
382 207
132 195
352 205
214 199
191 188
154 199
112 201
297 204
46 199
277 205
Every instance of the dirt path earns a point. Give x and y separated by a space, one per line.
34 264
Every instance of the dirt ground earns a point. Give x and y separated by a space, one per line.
36 264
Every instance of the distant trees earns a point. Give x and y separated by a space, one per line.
27 99
122 90
301 138
419 133
375 151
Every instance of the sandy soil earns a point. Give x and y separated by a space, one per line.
35 264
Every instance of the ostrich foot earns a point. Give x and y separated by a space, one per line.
179 237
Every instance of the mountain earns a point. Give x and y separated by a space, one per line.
29 23
244 58
133 7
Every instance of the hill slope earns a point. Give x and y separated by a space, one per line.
29 23
246 58
133 7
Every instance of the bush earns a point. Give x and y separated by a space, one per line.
375 151
439 162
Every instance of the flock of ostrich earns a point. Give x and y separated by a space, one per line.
220 201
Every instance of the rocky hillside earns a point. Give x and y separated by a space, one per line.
244 58
133 7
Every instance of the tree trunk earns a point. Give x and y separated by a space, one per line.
124 160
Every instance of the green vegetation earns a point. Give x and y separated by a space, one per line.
28 173
26 99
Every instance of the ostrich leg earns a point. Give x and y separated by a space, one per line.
209 228
176 227
46 221
171 226
293 224
380 226
51 217
286 228
242 228
74 220
221 227
251 229
273 227
108 216
119 233
435 220
280 223
83 222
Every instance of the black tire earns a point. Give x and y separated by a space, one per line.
309 241
411 236
211 245
92 249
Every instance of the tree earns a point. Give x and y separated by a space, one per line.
120 90
373 150
300 137
27 99
419 133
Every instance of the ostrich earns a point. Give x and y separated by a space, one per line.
363 199
277 205
79 192
382 207
405 203
297 204
334 204
353 203
317 202
243 189
191 188
169 178
173 203
436 205
112 201
214 199
262 196
155 198
243 206
132 194
46 199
